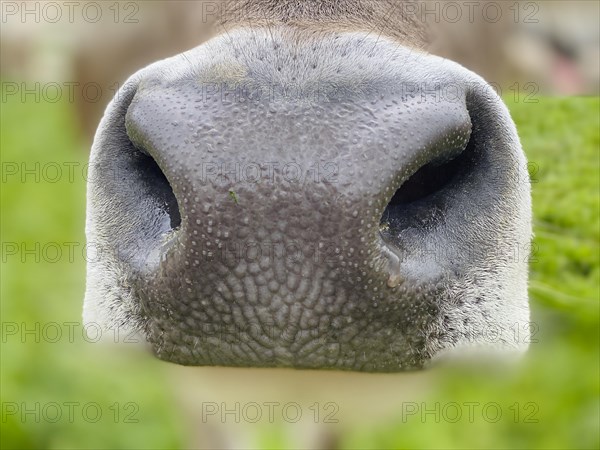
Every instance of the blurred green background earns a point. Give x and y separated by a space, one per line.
557 384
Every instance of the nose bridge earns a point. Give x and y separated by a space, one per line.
355 144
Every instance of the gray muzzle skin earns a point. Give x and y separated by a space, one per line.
344 203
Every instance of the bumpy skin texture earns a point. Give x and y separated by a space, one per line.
311 266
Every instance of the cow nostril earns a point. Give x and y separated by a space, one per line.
429 179
429 186
157 185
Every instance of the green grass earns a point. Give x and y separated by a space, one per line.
558 383
47 292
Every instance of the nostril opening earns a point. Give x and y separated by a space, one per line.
149 183
429 179
428 189
157 185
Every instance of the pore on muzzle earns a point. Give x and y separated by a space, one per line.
373 220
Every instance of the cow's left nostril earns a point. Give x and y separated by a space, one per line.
156 184
431 178
445 166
